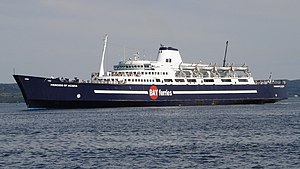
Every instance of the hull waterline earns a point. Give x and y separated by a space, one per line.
41 92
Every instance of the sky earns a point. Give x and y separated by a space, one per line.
64 38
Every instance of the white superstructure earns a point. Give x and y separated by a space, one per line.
168 69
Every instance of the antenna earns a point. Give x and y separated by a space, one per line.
101 72
270 77
224 61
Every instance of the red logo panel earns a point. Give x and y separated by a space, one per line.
153 92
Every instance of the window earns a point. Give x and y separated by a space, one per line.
191 80
243 80
168 60
168 80
179 80
226 80
157 80
208 80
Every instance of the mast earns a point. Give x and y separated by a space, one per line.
224 61
124 53
101 72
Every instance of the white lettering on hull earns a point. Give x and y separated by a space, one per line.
278 86
63 85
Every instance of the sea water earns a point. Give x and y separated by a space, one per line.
231 136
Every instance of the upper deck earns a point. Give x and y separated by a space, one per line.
169 69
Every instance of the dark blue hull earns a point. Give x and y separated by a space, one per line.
40 92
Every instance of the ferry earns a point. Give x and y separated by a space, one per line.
167 81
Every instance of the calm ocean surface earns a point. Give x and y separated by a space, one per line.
235 136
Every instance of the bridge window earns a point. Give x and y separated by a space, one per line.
168 60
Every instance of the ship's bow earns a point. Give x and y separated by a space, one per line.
20 81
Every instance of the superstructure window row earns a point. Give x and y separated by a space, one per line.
129 67
139 80
137 73
154 73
